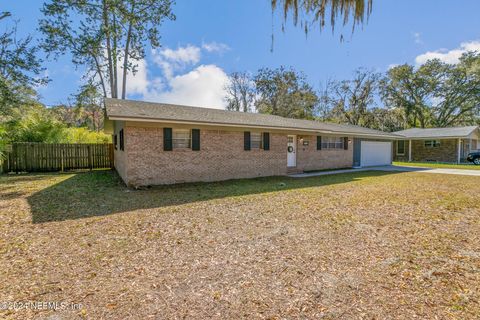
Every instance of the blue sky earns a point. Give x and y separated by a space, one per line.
212 38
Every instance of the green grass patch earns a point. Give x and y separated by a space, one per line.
437 165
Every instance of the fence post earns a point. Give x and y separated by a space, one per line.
111 155
90 164
63 159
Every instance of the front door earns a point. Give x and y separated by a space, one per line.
292 151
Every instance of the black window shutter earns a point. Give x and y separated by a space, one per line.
122 146
345 143
319 142
246 140
266 141
167 139
115 141
195 139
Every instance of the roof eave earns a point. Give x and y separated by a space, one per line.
430 137
219 124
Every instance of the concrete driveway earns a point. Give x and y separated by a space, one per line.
392 169
462 172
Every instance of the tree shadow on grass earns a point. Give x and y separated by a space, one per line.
103 193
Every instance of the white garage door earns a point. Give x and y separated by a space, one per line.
376 153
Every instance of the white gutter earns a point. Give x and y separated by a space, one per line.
459 156
409 150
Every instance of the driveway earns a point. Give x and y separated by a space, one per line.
392 169
462 172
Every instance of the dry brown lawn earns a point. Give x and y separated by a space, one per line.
367 245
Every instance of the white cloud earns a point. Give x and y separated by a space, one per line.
173 60
448 56
392 65
181 81
187 55
418 37
203 86
215 47
136 83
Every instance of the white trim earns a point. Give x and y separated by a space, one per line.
459 150
409 150
367 135
437 138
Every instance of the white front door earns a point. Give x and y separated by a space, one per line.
292 151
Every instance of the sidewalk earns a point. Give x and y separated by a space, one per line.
392 169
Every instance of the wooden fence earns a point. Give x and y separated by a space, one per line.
44 157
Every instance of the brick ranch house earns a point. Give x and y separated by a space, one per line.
437 144
165 144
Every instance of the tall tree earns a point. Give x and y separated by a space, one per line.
319 12
20 68
107 35
285 93
88 101
456 96
436 94
386 119
240 92
351 99
409 89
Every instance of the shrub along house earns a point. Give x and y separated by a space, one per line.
437 144
164 144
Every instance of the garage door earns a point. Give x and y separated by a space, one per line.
374 153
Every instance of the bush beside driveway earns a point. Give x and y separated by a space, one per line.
357 245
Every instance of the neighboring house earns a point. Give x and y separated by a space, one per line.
163 144
437 144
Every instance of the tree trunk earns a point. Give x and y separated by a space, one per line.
109 48
126 53
115 56
99 71
125 61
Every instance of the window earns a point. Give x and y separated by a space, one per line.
401 148
332 142
255 140
432 143
181 138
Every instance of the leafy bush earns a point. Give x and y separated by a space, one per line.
35 125
39 124
83 135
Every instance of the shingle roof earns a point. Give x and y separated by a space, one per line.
455 132
148 111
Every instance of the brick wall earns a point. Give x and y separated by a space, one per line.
222 157
446 152
309 158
